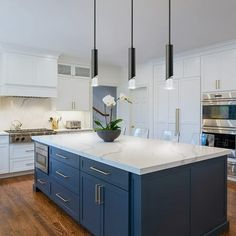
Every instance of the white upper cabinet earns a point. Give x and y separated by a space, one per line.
218 71
73 94
74 88
28 75
183 68
46 75
20 69
191 67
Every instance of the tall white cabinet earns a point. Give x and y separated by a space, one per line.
183 100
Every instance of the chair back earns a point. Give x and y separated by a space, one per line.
141 132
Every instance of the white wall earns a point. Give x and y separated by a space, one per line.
35 113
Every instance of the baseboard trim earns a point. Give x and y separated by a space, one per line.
15 174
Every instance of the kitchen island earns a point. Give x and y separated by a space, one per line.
136 186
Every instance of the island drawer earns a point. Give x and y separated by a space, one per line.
106 172
65 199
42 182
65 175
65 157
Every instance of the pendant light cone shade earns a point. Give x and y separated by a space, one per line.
94 55
169 58
132 55
132 68
94 67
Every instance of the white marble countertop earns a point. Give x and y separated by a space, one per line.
3 133
136 155
61 131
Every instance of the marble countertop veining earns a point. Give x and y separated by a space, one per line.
136 155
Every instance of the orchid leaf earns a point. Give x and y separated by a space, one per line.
98 123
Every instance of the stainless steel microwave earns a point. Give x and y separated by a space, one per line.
41 157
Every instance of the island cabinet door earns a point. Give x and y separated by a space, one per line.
104 207
116 211
91 210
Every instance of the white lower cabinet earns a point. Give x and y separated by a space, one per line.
21 157
4 156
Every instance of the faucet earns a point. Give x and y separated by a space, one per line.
16 125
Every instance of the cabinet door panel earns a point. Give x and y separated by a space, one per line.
210 70
192 67
4 164
21 69
46 72
91 212
189 133
189 100
173 102
81 94
159 72
116 211
64 99
161 103
228 72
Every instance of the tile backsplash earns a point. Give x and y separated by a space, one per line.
35 113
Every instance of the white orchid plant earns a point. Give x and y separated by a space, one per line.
109 103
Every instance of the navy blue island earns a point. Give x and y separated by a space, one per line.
134 186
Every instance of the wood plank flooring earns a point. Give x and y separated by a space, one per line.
26 213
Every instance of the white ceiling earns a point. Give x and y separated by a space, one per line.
66 26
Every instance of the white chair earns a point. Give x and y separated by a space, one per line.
199 139
141 132
169 135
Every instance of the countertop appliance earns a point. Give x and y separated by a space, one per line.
73 124
219 124
24 135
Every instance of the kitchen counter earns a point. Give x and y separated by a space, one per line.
3 133
136 155
63 131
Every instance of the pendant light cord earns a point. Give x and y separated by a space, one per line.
95 6
169 21
132 23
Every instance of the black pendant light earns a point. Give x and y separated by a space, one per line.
131 58
94 55
169 57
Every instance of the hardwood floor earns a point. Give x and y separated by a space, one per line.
26 213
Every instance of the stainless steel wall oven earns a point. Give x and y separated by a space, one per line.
219 123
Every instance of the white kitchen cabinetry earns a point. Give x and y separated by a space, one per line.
4 154
218 71
28 75
73 94
183 68
21 157
183 100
